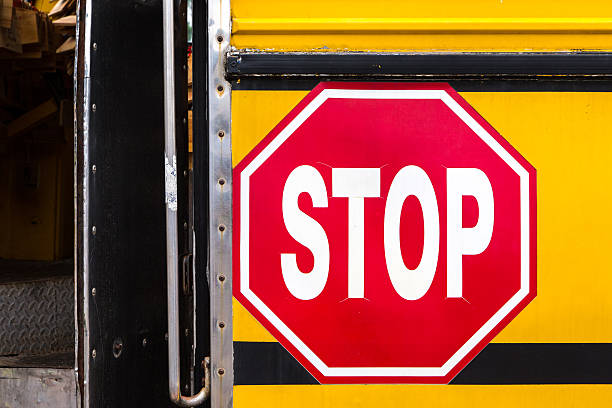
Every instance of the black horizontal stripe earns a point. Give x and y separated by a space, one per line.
460 85
498 363
267 364
540 363
244 64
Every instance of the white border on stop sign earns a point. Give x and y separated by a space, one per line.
383 94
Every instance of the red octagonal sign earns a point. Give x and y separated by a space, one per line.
384 233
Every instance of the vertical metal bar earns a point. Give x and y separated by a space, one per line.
81 251
174 385
171 203
220 206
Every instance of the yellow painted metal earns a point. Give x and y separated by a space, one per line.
455 396
246 328
44 5
36 221
391 25
566 136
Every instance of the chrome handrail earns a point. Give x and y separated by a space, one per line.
174 368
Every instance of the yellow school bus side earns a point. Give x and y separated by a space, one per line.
565 135
443 25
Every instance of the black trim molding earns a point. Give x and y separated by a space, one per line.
244 64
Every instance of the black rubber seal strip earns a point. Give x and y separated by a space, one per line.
499 363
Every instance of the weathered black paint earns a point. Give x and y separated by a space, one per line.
127 264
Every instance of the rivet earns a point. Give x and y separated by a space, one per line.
221 133
184 67
166 337
221 278
185 225
221 371
220 38
185 173
221 227
93 353
93 230
93 107
117 347
144 342
221 181
186 332
219 89
184 121
94 168
93 292
221 325
95 46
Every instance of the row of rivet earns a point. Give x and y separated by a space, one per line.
118 344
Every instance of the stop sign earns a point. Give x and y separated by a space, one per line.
384 232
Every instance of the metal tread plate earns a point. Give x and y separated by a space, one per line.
37 317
